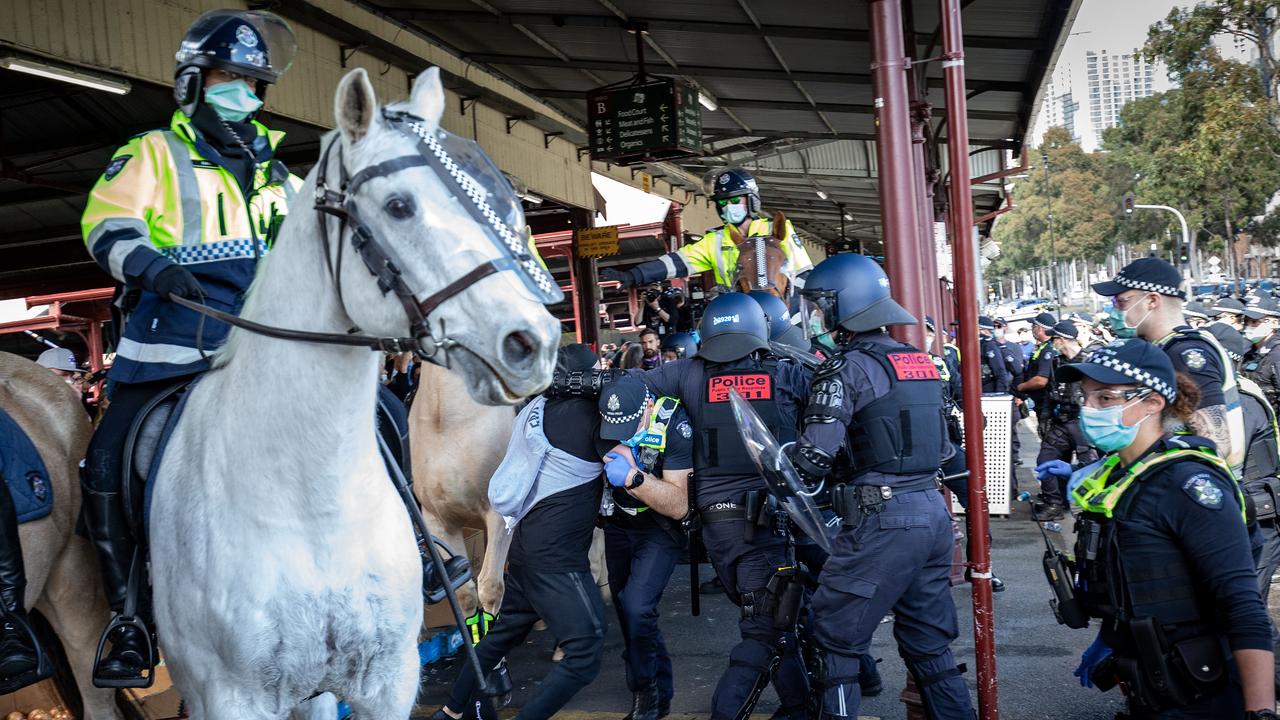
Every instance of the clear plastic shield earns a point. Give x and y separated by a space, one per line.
781 477
806 359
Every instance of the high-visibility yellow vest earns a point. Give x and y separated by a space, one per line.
716 251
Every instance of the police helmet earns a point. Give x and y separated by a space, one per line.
682 344
775 310
733 326
734 182
851 291
252 43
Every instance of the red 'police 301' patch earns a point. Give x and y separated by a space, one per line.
751 386
913 366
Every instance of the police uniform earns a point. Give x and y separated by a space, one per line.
642 547
1260 362
1164 561
745 556
1192 351
716 251
882 401
996 377
1040 364
1060 436
188 210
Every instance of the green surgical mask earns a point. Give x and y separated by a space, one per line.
233 101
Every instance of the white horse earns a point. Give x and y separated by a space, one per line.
283 561
62 572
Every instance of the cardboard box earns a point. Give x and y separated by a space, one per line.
41 696
440 615
161 701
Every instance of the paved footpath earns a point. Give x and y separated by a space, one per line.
1035 656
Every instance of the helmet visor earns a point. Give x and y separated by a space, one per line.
818 309
484 191
248 42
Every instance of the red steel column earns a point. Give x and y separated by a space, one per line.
960 218
899 214
924 203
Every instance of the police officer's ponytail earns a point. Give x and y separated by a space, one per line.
1182 408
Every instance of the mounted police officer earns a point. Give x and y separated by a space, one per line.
882 401
737 198
1146 301
1261 362
1061 443
1162 550
188 211
728 492
648 474
995 371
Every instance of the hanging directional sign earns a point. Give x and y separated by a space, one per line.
656 119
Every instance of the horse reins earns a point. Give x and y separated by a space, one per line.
377 257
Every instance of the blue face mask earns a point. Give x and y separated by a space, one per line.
233 101
1104 429
734 214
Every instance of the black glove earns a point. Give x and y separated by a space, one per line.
625 277
176 280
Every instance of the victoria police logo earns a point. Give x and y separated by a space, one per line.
724 179
614 404
1202 489
686 430
115 166
1194 358
246 36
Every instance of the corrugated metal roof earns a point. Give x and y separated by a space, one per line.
792 79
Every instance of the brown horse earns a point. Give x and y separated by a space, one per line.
760 260
62 573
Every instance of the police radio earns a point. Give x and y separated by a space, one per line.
1060 571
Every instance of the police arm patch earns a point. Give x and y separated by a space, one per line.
1194 358
685 429
1201 488
115 166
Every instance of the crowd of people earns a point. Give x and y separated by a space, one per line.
1157 432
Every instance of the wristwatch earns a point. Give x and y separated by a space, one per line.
1263 714
638 479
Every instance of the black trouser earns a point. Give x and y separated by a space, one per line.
1064 441
571 605
104 509
13 576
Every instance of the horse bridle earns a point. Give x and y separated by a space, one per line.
377 256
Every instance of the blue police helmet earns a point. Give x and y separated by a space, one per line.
684 345
256 44
852 291
733 326
775 310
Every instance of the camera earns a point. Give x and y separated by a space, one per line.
651 294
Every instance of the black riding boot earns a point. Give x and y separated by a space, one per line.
20 653
131 645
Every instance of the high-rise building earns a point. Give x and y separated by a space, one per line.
1059 105
1115 79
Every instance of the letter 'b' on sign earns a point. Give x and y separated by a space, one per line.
751 386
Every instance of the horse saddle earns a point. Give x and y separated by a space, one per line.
143 448
24 472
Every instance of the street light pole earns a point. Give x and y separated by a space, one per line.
1186 234
1053 245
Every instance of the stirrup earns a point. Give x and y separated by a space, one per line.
457 567
44 663
129 618
148 675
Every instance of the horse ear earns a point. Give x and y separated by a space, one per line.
355 106
427 99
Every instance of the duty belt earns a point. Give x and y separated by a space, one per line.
722 512
853 502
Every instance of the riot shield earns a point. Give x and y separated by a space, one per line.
808 360
781 477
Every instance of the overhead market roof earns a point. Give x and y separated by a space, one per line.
790 80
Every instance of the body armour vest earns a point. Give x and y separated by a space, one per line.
1123 574
1064 397
1230 389
901 433
719 454
1264 451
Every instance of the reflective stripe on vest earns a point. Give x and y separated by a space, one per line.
1093 494
1230 393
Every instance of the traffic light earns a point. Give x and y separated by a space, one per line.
1184 253
1128 203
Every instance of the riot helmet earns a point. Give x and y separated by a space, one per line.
731 183
254 44
733 326
851 292
681 344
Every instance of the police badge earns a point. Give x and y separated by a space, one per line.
1201 489
1194 358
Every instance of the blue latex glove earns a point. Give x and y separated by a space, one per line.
1053 468
1089 659
617 469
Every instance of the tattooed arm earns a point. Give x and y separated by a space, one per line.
1211 423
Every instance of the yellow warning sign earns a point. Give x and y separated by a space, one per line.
597 241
